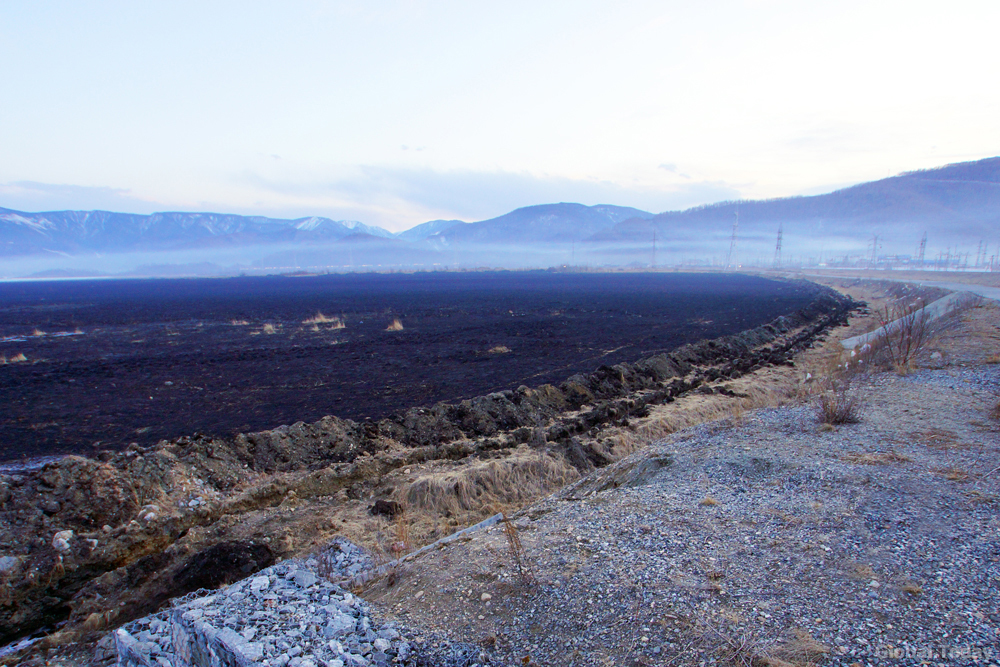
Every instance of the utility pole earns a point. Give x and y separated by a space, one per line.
654 247
777 247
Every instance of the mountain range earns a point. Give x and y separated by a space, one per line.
955 205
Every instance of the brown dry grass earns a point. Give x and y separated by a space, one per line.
320 318
953 474
395 325
839 404
16 359
499 349
269 328
477 487
799 650
938 438
239 323
876 458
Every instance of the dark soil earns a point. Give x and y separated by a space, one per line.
115 362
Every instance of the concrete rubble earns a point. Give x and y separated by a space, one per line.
288 615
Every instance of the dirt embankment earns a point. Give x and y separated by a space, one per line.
97 542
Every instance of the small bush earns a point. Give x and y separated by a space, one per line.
840 405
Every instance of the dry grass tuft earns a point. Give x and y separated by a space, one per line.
953 474
522 476
269 328
395 325
239 323
937 438
708 501
912 588
993 358
16 359
320 318
876 458
499 349
800 650
995 412
839 405
37 332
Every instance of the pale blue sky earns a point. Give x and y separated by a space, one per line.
394 113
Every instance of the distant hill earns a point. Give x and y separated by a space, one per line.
548 223
959 203
77 232
422 231
957 206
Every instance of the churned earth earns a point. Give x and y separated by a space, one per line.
759 536
92 365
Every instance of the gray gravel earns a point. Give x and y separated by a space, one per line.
874 543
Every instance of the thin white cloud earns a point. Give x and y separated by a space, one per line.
33 196
479 195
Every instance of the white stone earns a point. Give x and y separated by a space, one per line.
485 597
60 541
382 644
259 584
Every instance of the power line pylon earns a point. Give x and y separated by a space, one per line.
731 259
777 247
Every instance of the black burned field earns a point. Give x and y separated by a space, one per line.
90 365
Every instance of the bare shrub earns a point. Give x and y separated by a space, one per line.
839 404
517 553
905 329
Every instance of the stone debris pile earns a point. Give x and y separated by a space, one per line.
284 616
343 559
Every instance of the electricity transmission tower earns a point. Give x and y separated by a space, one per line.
874 258
922 250
731 258
777 247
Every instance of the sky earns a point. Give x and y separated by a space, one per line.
398 112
